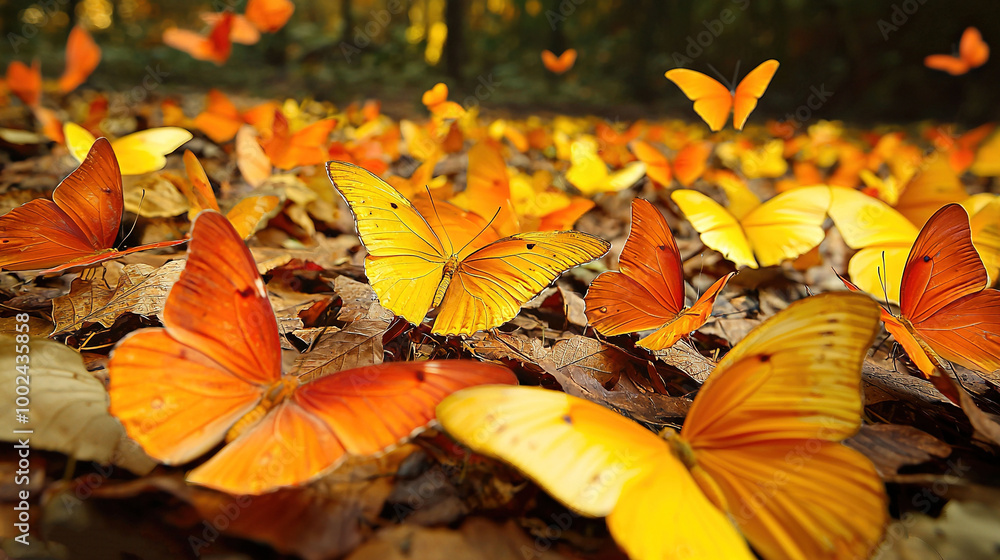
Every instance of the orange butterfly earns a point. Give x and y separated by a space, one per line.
214 374
436 101
973 52
559 64
269 15
25 82
946 306
216 47
713 101
78 227
288 149
648 293
689 163
82 57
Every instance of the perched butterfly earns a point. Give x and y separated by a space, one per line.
944 299
215 47
214 374
752 233
307 146
713 101
559 64
246 216
689 163
648 293
973 52
82 57
437 256
78 227
25 82
137 153
760 447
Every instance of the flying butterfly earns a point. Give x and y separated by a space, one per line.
714 101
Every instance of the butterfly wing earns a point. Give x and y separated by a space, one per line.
689 320
489 286
691 161
657 165
248 214
82 57
597 463
406 257
750 90
787 225
973 50
25 81
487 190
269 15
197 190
944 293
146 150
718 228
362 411
766 427
178 390
947 63
649 290
82 219
712 101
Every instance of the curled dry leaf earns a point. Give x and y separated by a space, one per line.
155 196
141 289
891 446
358 299
68 408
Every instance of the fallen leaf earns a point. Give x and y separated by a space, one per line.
891 446
67 407
141 289
356 345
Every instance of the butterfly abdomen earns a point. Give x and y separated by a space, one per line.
449 271
273 396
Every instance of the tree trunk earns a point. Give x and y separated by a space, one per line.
454 45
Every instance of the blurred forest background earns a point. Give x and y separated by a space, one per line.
867 56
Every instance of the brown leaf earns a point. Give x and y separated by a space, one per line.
685 358
891 446
356 345
476 539
140 289
359 301
601 361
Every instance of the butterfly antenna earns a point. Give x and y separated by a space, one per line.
488 224
884 281
722 78
736 74
439 221
131 229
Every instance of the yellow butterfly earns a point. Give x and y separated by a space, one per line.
432 254
137 153
590 175
784 227
760 447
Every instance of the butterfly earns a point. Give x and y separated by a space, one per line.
137 153
933 185
487 189
307 146
437 256
760 447
751 233
82 57
25 82
261 16
436 101
215 47
559 64
78 227
944 299
246 216
713 101
648 292
214 374
689 163
221 120
973 52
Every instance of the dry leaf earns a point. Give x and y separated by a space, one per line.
141 289
891 446
67 408
155 196
356 345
